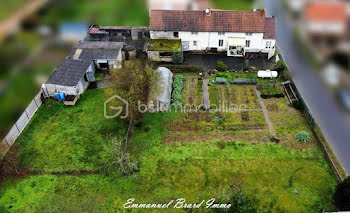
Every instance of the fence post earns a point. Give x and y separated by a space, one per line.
7 142
35 102
26 113
17 127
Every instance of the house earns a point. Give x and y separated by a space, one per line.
237 33
178 4
325 20
73 75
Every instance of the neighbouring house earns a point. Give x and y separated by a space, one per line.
160 96
74 74
237 33
326 20
178 4
163 49
117 33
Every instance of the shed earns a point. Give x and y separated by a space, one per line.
160 96
73 75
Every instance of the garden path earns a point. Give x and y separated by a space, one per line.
266 114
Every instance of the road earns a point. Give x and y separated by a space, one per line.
325 110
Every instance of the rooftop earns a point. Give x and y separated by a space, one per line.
71 70
199 21
326 11
164 45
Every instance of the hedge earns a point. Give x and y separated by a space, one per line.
183 68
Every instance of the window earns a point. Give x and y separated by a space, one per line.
194 33
221 43
165 54
221 33
248 34
247 43
194 43
176 34
268 45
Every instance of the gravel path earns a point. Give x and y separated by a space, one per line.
206 101
266 114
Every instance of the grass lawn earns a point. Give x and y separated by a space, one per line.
233 4
11 7
64 139
287 122
103 12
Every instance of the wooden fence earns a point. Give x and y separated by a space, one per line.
20 124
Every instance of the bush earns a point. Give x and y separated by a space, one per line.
221 66
218 120
281 66
177 57
341 196
298 106
302 136
178 86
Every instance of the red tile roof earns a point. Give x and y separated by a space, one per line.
270 28
218 21
326 11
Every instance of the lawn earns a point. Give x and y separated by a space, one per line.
233 4
10 7
103 12
66 144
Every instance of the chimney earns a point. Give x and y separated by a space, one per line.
262 12
208 12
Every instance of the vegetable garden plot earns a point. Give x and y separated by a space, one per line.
233 95
221 123
192 92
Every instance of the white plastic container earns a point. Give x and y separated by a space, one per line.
267 74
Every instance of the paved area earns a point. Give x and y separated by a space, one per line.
266 114
332 121
209 61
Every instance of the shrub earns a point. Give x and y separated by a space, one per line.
178 86
302 136
242 81
177 57
218 120
281 66
298 105
221 66
341 196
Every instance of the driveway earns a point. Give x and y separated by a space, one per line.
322 104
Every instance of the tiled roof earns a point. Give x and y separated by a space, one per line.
270 28
326 11
218 21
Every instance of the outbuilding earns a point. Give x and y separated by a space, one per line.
72 77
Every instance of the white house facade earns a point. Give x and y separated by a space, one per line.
245 32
